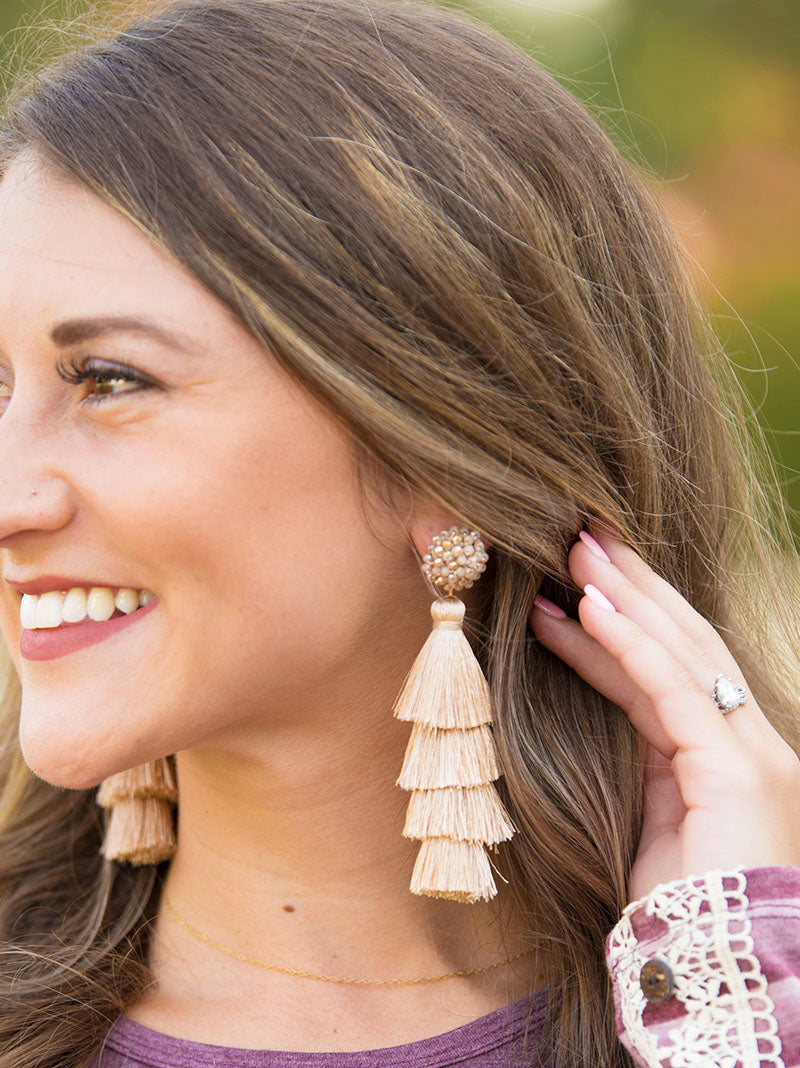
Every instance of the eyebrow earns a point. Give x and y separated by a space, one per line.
74 331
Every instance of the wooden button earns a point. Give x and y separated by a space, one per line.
656 980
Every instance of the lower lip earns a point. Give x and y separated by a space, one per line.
51 642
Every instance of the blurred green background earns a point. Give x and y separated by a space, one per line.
704 94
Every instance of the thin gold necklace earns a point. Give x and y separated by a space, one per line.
329 978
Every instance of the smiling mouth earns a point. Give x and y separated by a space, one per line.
64 608
50 643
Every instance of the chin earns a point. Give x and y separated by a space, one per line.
61 767
67 753
59 772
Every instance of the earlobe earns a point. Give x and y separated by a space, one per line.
423 533
429 522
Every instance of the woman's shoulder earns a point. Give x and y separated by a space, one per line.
481 1043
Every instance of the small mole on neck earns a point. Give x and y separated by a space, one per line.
288 908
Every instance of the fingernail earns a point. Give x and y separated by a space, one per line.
594 546
548 607
598 598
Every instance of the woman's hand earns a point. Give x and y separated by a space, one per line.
720 790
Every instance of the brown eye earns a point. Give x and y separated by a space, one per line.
109 384
109 378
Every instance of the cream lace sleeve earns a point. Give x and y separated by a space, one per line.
706 971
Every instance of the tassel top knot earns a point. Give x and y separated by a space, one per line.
448 615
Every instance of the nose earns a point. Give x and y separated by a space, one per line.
34 494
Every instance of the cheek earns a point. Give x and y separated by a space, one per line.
264 563
285 570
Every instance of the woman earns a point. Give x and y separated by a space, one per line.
292 294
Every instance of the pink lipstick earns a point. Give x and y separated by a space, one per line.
48 643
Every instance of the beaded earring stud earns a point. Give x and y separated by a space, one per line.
450 762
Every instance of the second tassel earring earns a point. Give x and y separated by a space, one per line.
138 803
450 763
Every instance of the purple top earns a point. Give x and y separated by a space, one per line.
494 1041
705 971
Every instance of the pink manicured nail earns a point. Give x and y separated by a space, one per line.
598 598
594 546
548 607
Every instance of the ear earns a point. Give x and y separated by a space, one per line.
429 520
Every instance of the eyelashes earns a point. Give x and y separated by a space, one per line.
105 373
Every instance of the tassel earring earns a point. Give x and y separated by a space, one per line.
450 763
138 814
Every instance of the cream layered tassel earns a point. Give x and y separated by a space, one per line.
138 813
450 763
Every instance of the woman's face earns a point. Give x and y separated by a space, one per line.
207 477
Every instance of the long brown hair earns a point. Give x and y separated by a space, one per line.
439 242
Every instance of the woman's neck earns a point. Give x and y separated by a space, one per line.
290 850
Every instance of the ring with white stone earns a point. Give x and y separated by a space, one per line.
728 694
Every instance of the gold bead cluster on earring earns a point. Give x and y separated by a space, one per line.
455 559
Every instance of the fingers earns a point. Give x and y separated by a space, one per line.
684 711
662 612
695 628
587 658
658 608
640 656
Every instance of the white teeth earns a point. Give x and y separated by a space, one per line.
74 608
99 604
27 611
127 600
49 610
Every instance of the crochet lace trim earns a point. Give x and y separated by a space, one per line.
734 1027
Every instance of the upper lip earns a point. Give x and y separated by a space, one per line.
45 583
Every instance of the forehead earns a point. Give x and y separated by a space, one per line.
45 216
65 253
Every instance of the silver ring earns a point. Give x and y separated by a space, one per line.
34 491
728 694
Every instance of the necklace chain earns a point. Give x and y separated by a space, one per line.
330 978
